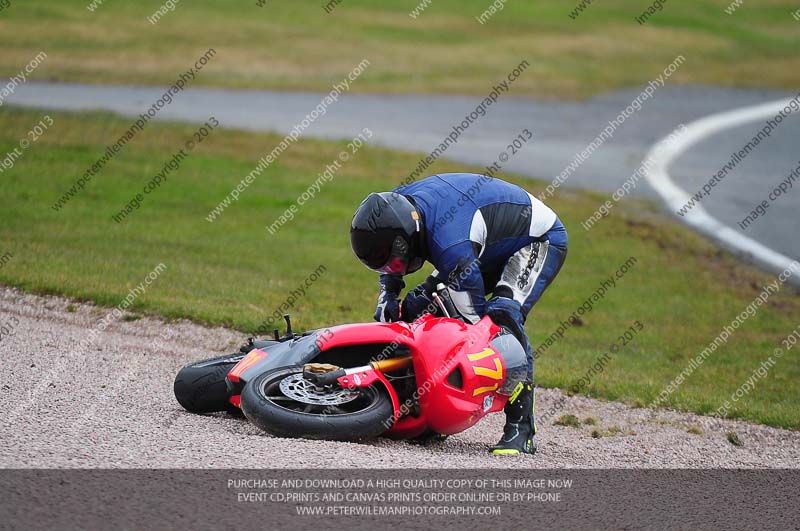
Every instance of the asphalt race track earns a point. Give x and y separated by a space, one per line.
561 130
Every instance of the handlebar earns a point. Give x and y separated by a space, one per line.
442 298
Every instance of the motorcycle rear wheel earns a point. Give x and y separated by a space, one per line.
200 387
330 413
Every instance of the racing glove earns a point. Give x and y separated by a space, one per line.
419 301
388 309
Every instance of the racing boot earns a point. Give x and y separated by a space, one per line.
520 425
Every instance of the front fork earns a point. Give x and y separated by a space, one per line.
363 376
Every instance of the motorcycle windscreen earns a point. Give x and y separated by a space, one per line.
515 359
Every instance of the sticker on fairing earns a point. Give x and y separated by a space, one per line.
487 403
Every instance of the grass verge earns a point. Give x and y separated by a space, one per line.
297 45
232 272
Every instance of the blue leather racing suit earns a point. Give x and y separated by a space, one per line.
483 235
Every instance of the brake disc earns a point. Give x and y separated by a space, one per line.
299 389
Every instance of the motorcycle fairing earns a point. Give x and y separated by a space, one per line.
466 365
458 362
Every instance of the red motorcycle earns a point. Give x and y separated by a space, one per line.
437 375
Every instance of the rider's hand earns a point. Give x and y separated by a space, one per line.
417 302
388 309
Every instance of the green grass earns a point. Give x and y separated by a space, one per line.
568 420
612 431
232 272
296 45
734 439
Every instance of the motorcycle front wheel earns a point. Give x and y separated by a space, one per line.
285 404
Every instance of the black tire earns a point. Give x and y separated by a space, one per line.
200 387
372 411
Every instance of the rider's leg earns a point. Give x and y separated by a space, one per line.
525 277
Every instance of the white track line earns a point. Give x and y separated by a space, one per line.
666 151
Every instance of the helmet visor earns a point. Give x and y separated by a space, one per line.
400 266
399 258
397 261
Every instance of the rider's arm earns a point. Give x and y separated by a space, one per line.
464 279
388 308
391 283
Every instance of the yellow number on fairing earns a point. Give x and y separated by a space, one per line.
494 374
481 390
480 355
